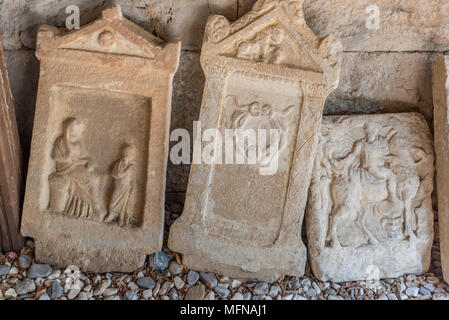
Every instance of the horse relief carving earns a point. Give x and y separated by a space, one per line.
367 182
78 190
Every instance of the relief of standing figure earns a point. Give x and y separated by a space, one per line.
124 174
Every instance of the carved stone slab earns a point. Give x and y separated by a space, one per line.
10 167
441 134
369 211
267 70
96 179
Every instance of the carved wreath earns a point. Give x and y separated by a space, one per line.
266 117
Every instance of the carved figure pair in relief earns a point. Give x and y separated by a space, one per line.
369 181
77 190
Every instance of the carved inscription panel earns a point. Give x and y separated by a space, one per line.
97 159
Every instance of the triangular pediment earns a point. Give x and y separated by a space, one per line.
112 34
109 40
273 44
273 36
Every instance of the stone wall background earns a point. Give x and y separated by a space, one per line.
384 70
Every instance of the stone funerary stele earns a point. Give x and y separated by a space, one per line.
96 181
370 211
267 70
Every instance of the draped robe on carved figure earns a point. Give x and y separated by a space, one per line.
122 201
72 172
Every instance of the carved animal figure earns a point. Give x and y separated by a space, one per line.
345 194
364 185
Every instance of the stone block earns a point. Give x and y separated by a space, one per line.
441 136
370 212
267 71
96 178
379 82
10 167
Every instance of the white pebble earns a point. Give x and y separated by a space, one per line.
73 293
179 283
10 293
156 289
165 287
44 297
412 292
147 293
133 286
83 296
235 284
110 292
13 271
102 287
54 275
210 296
237 296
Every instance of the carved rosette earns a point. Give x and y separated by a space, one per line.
218 28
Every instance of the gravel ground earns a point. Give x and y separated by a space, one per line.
164 277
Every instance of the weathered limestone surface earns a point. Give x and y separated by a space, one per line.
24 78
10 167
96 179
405 25
265 71
411 25
369 83
441 136
383 83
369 212
169 20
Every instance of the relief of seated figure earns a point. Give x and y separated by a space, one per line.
73 184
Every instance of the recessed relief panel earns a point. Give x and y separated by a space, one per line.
97 155
370 199
254 186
